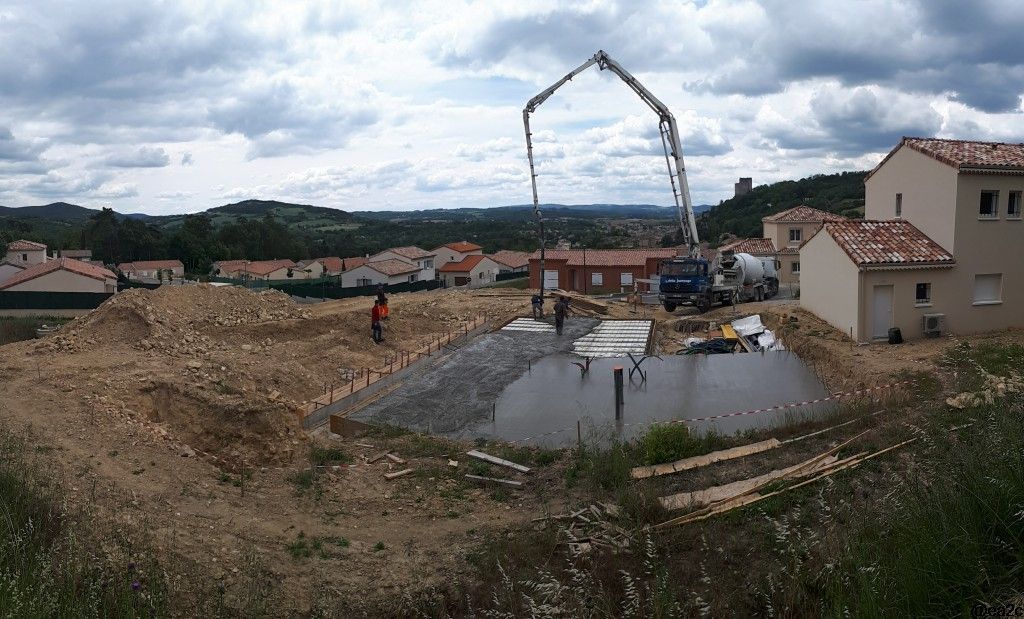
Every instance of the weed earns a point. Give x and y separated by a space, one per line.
669 442
378 546
300 547
321 456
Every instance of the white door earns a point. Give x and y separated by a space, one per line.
550 280
882 314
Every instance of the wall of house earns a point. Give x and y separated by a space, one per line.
350 278
444 255
906 314
8 270
929 189
65 281
987 246
830 284
28 258
786 275
779 233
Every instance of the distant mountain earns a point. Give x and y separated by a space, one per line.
841 193
61 211
521 211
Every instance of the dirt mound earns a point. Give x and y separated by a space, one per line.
170 318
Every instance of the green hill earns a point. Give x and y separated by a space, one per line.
837 193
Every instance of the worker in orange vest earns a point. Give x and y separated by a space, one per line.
376 331
383 300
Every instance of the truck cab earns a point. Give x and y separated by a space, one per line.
685 281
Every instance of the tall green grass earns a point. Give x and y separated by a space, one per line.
47 568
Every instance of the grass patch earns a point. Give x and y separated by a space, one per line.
322 456
50 564
670 442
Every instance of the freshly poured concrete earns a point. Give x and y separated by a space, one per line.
553 395
529 381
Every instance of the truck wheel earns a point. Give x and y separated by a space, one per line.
669 307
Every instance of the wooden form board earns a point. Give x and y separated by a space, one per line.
479 455
642 472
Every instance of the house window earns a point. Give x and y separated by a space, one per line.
414 277
989 206
899 205
363 281
428 264
24 257
795 267
1013 205
988 288
597 279
795 235
923 296
626 279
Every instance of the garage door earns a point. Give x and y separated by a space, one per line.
550 279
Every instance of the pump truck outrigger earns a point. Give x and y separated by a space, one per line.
691 279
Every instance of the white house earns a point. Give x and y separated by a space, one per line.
421 258
309 269
152 269
455 252
472 271
26 253
62 275
381 272
512 261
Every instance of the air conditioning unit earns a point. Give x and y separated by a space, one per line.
934 324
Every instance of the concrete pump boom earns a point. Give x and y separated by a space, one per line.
669 141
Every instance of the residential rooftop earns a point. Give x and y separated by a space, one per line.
66 264
606 257
802 214
886 243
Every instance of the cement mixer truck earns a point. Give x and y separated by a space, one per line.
729 279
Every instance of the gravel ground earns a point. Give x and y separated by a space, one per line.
458 391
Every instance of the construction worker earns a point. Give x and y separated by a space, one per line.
561 310
538 306
383 300
376 331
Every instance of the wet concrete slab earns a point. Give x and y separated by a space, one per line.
554 394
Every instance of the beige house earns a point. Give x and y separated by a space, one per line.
268 270
472 271
788 230
308 269
422 259
26 253
228 268
455 252
381 272
62 275
963 199
154 270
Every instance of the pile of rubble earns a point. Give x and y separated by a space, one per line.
589 528
994 388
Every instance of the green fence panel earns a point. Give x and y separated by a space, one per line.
511 275
33 300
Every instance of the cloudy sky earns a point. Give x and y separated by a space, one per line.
168 107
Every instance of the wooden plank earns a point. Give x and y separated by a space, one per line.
729 333
394 458
729 491
642 472
397 474
479 455
373 459
507 482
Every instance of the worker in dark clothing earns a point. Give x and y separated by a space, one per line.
376 331
538 306
561 310
383 300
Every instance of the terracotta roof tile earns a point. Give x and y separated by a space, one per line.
882 243
391 267
266 267
964 155
465 266
606 257
146 265
802 214
410 252
332 264
66 264
23 245
757 246
511 259
355 261
463 246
